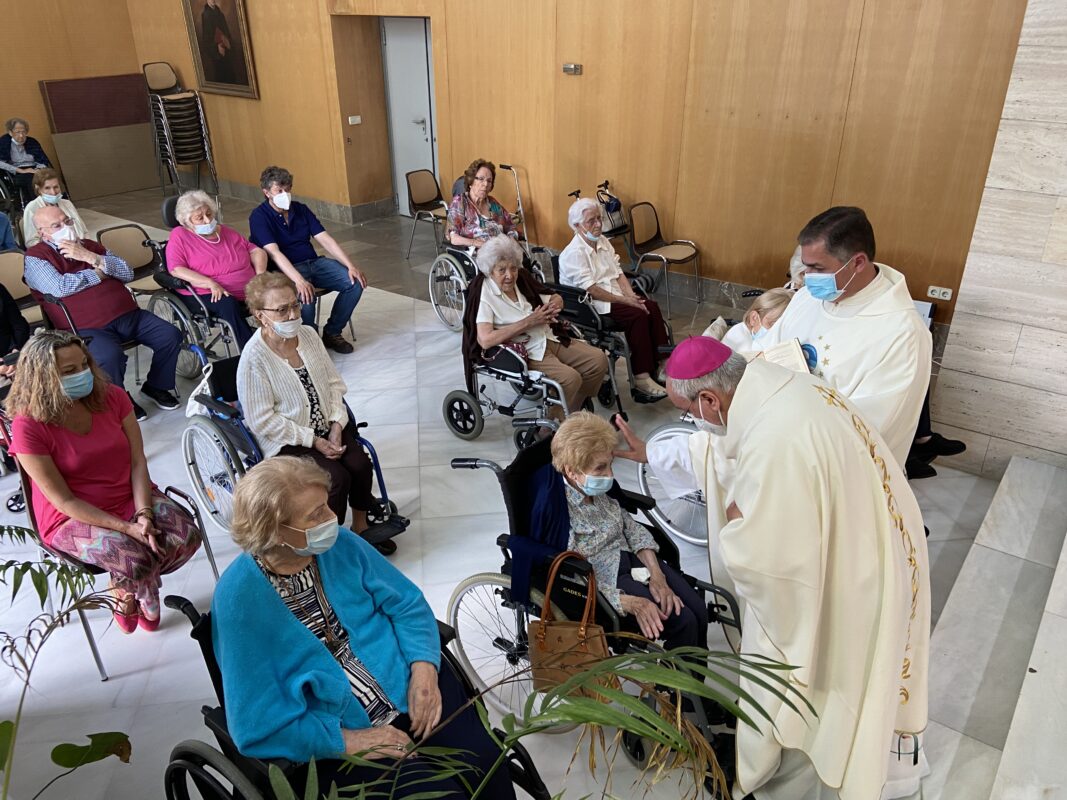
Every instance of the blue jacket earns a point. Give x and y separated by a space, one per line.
33 147
7 235
285 695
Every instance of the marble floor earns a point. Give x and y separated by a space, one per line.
403 365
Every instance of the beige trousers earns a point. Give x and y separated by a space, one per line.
579 368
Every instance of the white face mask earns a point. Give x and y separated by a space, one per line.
64 234
287 328
282 200
709 427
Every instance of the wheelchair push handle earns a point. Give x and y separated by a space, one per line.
179 603
508 167
476 463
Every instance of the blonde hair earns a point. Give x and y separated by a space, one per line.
581 437
257 288
188 204
771 302
37 391
262 501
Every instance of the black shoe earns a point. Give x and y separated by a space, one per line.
161 397
937 445
917 468
138 412
386 548
337 343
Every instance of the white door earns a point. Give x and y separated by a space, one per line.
409 94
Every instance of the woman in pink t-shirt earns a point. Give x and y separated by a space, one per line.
78 441
215 260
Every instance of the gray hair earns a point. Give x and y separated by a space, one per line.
578 209
11 123
723 380
499 248
278 175
190 202
40 211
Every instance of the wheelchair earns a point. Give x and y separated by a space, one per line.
491 625
218 449
454 269
226 774
602 332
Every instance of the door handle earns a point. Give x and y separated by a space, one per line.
419 121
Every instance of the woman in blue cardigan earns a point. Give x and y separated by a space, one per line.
327 650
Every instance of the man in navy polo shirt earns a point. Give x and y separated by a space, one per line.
284 228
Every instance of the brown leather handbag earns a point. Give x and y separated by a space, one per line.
560 649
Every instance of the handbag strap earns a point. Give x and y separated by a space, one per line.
590 593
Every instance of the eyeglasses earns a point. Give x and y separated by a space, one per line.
292 308
55 226
480 179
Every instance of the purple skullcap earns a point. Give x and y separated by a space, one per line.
695 357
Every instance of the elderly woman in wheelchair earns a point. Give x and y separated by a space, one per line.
589 263
293 401
624 555
215 260
326 650
511 312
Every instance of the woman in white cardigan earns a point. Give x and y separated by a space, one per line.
293 399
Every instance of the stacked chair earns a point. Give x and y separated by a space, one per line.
181 131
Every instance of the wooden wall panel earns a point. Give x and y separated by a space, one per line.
764 110
361 90
929 85
502 96
621 119
55 40
295 121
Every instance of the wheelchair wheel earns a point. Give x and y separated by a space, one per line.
212 775
172 310
685 517
606 394
524 437
448 286
214 467
463 414
490 641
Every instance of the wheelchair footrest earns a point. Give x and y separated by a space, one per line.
383 531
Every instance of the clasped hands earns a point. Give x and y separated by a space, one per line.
424 709
331 446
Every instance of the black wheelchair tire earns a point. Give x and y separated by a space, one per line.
463 414
172 310
523 437
231 469
606 395
189 760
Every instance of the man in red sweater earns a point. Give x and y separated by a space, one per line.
90 282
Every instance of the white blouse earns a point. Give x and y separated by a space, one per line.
583 266
500 310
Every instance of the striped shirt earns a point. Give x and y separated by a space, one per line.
299 595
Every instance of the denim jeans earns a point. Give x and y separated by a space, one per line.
325 273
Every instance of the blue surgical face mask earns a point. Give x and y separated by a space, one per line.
319 539
708 427
78 385
590 237
759 333
207 228
597 484
52 199
823 285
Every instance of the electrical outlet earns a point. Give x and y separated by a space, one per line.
933 292
946 294
355 120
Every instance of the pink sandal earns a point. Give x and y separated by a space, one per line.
146 619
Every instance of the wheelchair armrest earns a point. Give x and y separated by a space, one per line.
168 281
215 719
503 359
632 501
446 632
734 620
217 406
51 299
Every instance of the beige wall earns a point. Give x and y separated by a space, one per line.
47 40
1003 383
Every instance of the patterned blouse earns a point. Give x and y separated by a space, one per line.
465 219
600 531
318 421
313 610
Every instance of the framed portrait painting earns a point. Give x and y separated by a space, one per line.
222 49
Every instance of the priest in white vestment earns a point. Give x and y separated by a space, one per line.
858 326
824 543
